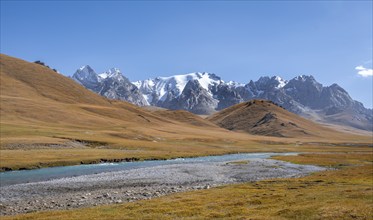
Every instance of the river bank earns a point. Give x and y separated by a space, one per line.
140 183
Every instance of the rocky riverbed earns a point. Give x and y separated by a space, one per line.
140 183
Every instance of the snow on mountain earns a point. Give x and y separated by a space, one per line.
281 82
234 84
167 92
160 88
113 72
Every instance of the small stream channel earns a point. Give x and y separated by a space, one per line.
43 174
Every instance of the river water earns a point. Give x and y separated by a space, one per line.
43 174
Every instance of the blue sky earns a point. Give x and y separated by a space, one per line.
236 40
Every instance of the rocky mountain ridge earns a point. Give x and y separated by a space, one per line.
111 84
206 93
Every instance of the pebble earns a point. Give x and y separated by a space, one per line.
106 195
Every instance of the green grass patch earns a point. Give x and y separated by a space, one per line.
240 162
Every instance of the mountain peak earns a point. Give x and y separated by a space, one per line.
266 82
111 84
85 67
304 78
86 74
334 85
112 72
281 81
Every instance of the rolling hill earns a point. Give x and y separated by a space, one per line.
260 117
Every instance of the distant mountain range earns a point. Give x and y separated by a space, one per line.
206 93
111 84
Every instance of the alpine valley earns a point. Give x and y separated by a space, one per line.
254 158
205 93
186 110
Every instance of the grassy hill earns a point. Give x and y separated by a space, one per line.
260 117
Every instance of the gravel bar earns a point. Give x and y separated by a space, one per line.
141 183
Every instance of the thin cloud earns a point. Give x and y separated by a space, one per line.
364 72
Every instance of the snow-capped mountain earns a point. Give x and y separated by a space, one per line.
166 91
303 95
158 89
169 92
111 84
205 93
86 76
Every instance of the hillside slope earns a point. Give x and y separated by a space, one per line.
32 92
33 96
262 117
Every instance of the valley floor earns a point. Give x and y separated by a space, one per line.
345 192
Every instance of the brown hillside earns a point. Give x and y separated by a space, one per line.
24 79
32 92
34 97
265 118
184 117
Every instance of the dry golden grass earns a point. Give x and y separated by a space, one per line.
184 117
346 193
250 117
37 158
240 162
130 143
333 160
